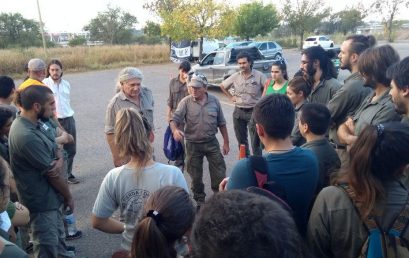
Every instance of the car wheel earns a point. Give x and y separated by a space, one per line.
278 56
332 45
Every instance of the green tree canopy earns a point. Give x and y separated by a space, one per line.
255 19
388 9
113 26
349 19
152 29
304 16
16 31
197 20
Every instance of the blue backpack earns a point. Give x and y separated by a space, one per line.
379 243
172 148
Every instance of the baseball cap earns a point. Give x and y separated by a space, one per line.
197 80
36 64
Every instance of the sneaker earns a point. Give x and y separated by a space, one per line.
77 235
73 180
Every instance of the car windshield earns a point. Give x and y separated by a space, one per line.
254 44
310 39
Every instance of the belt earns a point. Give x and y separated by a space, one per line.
245 109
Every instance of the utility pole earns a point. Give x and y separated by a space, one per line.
41 28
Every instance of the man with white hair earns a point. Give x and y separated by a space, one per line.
131 94
36 73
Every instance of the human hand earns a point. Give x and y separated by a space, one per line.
226 149
69 203
178 135
223 184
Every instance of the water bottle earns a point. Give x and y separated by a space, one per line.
70 221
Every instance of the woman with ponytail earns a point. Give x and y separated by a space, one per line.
375 177
169 214
129 186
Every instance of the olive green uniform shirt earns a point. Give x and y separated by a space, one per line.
120 101
335 228
324 91
177 91
31 155
328 160
346 101
376 112
248 90
201 121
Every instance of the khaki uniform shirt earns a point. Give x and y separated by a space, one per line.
324 91
201 121
177 91
376 112
346 101
247 91
120 101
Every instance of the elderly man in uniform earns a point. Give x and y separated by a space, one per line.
247 85
202 115
131 95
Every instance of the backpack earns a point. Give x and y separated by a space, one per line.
269 189
172 148
380 244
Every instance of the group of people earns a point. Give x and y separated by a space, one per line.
328 165
38 136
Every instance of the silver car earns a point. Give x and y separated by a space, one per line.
269 49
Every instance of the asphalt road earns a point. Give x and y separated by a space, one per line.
91 92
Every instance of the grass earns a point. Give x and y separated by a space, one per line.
12 61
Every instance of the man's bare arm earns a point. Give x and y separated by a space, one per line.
56 178
114 151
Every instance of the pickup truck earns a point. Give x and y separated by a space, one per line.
220 64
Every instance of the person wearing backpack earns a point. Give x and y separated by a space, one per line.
366 212
293 170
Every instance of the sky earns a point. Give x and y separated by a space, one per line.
73 15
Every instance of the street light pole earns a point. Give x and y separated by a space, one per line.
41 28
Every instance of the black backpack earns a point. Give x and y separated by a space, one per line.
270 189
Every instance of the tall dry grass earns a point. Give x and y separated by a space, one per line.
84 58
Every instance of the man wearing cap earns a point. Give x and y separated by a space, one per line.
248 85
36 73
202 115
131 95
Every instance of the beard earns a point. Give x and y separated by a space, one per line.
400 108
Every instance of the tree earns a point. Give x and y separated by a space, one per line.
349 19
197 20
17 31
304 16
164 10
113 26
77 41
255 19
152 29
389 9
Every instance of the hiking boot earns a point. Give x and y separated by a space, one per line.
77 235
73 180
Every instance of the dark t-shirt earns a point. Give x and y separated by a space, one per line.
328 160
295 170
31 155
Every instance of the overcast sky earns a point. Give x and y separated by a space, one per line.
73 15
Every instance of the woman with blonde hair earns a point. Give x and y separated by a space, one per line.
129 186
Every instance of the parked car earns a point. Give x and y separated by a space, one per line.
220 64
319 40
269 49
189 49
238 44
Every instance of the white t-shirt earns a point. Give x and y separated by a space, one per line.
128 189
61 92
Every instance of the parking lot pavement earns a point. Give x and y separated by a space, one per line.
91 92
